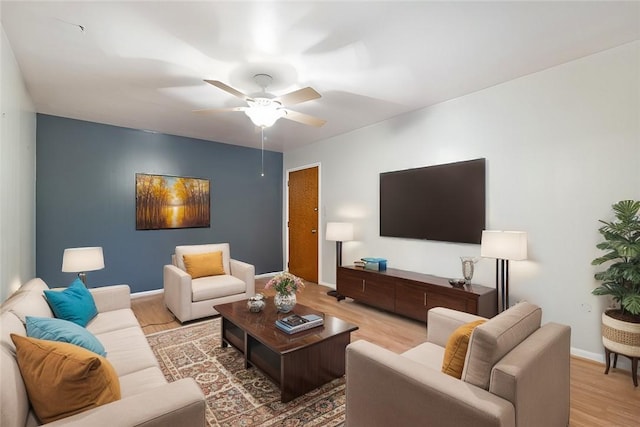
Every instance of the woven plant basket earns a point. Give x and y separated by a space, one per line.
621 337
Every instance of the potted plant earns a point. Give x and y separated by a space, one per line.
621 279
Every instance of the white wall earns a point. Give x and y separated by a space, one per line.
561 145
17 176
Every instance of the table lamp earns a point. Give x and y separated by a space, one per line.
81 260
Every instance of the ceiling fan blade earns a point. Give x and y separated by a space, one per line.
220 110
228 89
304 118
298 96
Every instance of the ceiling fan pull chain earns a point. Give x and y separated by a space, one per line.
262 151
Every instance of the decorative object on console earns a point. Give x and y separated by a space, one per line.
503 246
467 268
256 303
81 260
377 264
339 232
286 285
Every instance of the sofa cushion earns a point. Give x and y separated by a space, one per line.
63 379
456 349
206 288
497 337
128 350
199 249
51 329
140 381
13 394
112 321
202 265
74 304
427 354
29 300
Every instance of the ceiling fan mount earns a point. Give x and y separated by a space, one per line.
265 109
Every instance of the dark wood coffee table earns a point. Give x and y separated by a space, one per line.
299 362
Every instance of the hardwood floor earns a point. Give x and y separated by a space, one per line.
597 400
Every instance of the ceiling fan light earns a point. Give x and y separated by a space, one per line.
264 116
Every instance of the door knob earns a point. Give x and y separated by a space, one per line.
314 231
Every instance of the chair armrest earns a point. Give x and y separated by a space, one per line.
441 322
245 272
177 291
385 388
180 403
535 377
109 298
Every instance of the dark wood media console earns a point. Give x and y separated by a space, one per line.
412 294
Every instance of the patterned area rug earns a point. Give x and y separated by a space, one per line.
237 396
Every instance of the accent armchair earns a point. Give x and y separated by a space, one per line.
515 373
193 298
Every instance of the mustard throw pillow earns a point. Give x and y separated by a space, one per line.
64 379
456 349
206 264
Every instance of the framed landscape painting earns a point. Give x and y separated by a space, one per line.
164 201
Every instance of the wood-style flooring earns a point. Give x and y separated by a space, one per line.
597 400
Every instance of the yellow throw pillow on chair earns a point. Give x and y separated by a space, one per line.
205 264
456 349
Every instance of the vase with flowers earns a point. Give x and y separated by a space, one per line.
286 285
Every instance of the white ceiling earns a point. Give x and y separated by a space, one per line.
142 64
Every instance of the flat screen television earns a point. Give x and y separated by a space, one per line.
443 202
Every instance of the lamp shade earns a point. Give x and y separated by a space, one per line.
511 245
76 260
264 112
339 231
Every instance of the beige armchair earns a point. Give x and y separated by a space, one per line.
190 299
516 373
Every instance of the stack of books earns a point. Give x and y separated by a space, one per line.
296 323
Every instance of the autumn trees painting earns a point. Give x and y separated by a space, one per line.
171 202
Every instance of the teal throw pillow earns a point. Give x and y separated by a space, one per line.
46 328
74 304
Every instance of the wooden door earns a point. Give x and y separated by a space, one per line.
303 223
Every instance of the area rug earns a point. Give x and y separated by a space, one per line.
237 396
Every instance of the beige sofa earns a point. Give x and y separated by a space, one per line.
190 299
516 373
147 398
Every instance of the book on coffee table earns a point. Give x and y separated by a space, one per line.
296 323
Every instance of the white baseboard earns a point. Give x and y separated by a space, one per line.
596 357
159 291
146 293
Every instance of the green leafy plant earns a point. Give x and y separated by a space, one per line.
621 279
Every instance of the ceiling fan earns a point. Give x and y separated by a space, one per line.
264 109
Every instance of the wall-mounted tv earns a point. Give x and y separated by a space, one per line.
443 202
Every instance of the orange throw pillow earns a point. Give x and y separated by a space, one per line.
456 349
64 379
206 264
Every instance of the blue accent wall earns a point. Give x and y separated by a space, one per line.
85 196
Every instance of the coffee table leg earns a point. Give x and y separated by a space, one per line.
222 328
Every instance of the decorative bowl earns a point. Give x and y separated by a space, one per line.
457 283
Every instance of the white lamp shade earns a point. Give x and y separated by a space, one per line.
339 231
77 260
264 115
511 245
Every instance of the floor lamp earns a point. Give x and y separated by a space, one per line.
80 260
504 246
339 232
